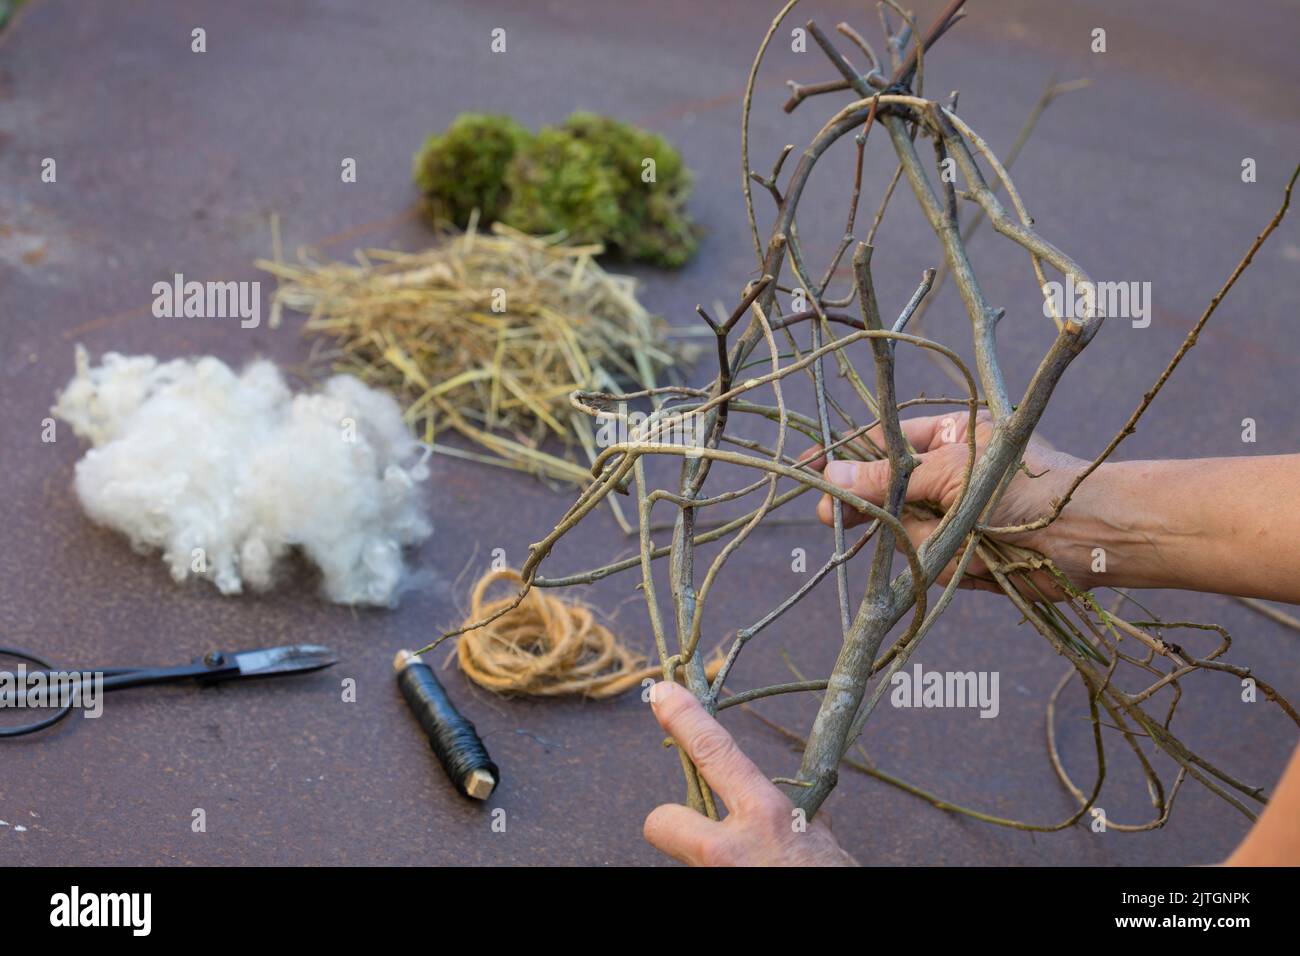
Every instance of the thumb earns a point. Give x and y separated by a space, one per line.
936 474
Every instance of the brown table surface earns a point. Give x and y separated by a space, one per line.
169 161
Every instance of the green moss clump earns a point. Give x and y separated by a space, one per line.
557 183
653 225
464 167
589 178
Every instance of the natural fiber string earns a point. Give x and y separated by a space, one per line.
546 647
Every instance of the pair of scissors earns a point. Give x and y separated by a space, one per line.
212 668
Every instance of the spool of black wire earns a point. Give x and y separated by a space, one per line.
452 737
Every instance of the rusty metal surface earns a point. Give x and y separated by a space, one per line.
169 161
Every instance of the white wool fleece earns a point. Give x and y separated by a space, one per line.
226 472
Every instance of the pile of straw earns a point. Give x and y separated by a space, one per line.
485 334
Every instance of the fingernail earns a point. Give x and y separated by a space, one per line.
842 473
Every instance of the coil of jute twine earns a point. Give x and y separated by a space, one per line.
546 647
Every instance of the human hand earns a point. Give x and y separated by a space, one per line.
760 827
942 453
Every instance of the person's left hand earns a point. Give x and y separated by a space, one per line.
761 827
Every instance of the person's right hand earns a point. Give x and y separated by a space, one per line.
761 828
942 451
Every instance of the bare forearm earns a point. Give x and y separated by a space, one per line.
1227 525
1274 840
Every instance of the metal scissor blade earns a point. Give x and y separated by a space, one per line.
295 658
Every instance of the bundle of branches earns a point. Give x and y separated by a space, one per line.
1068 618
486 334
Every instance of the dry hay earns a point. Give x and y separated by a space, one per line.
486 334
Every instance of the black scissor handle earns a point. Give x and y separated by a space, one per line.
209 668
44 722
